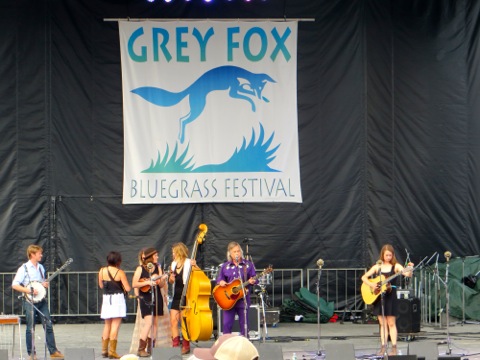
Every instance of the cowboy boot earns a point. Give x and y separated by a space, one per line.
149 345
185 347
141 349
105 347
393 350
176 341
112 352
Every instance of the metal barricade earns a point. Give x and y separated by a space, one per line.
342 286
77 294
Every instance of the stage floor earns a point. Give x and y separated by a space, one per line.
307 341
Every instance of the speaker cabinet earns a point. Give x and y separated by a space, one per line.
166 353
449 358
79 354
253 322
402 357
424 350
408 317
269 351
339 351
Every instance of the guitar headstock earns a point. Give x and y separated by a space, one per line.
268 269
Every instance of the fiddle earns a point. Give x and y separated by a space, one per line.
154 280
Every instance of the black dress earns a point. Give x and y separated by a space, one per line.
178 290
389 298
146 297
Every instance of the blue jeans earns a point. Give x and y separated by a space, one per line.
30 316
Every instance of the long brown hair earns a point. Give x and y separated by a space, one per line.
388 247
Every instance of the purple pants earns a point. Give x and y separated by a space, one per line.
229 318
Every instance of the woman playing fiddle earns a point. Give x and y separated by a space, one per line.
148 279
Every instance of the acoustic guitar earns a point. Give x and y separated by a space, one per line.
228 295
370 296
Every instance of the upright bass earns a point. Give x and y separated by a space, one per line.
197 322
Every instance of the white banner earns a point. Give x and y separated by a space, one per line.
210 112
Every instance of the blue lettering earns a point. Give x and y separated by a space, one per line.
281 44
202 41
263 42
143 54
230 43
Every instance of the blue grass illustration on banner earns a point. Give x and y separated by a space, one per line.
254 157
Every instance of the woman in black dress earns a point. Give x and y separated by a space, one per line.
387 266
148 279
179 271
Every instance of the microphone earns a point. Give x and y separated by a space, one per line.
447 255
246 240
379 263
435 270
237 258
320 263
150 266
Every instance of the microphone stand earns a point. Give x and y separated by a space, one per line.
319 274
384 325
447 306
245 305
32 314
152 306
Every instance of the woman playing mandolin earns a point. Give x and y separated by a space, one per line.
179 270
236 267
148 279
386 267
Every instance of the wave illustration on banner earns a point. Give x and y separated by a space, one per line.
240 83
253 157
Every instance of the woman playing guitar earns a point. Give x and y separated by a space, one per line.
387 266
236 267
179 270
148 279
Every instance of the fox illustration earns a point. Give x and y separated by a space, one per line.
240 83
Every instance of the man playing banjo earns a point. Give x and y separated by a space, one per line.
30 280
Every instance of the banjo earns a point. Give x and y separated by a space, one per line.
37 285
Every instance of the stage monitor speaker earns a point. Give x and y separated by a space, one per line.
79 354
339 351
269 351
408 315
170 353
424 350
4 354
402 357
446 357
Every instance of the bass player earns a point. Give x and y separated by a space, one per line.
30 273
236 267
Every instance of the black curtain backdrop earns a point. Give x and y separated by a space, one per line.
389 131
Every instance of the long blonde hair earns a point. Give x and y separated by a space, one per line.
180 250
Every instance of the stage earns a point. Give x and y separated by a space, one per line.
289 338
